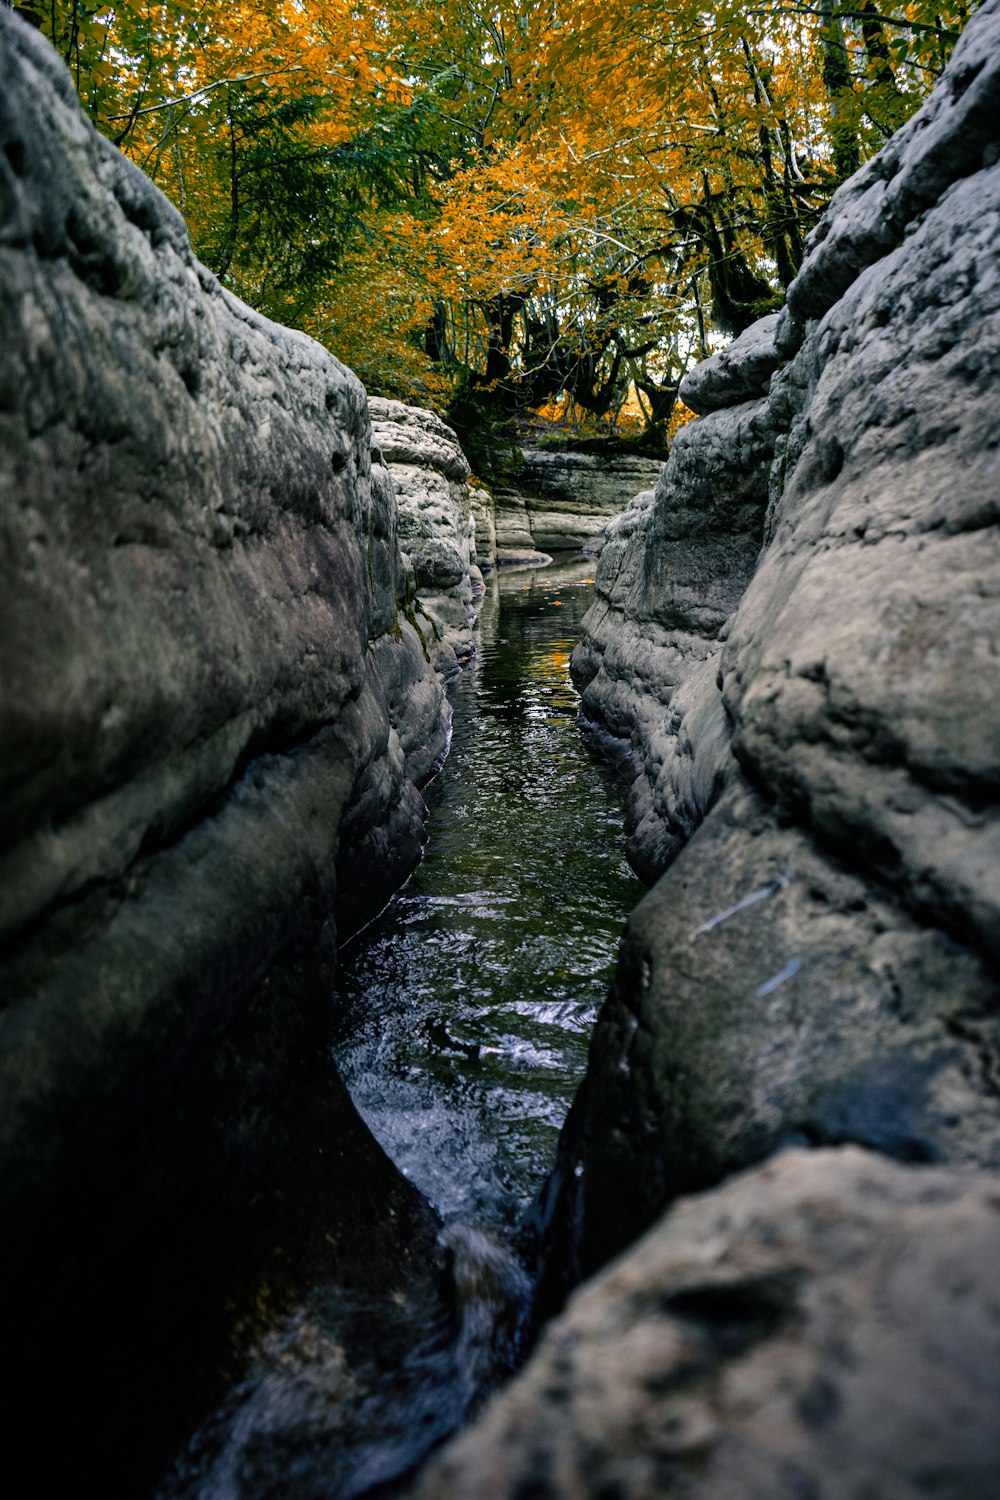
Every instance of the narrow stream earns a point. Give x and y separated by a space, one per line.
465 1009
463 1015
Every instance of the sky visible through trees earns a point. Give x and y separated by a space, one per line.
505 208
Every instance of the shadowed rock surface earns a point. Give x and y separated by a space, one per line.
826 1325
212 715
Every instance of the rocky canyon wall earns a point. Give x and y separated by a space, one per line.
815 754
437 526
793 656
562 501
215 718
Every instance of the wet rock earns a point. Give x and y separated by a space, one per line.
211 715
825 1325
521 557
437 529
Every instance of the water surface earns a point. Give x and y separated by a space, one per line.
464 1011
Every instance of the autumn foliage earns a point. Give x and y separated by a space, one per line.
528 205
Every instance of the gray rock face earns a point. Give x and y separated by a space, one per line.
561 501
211 712
765 994
860 672
512 527
670 576
484 516
825 1325
741 372
949 139
819 963
437 529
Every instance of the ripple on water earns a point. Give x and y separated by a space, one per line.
464 1012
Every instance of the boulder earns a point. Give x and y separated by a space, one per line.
825 1325
740 372
521 557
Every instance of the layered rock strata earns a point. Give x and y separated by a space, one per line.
437 527
569 497
214 714
515 545
484 517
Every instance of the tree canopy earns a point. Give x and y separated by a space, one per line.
505 206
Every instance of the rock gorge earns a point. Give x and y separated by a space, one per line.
793 660
232 587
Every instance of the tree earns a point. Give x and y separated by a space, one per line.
513 201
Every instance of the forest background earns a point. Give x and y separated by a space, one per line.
531 215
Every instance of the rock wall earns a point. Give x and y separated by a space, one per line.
673 569
564 501
213 718
570 497
515 545
817 771
484 516
437 528
793 657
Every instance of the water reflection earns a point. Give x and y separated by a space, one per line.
464 1011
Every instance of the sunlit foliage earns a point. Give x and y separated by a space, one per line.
524 205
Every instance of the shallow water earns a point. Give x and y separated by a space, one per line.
464 1011
463 1016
